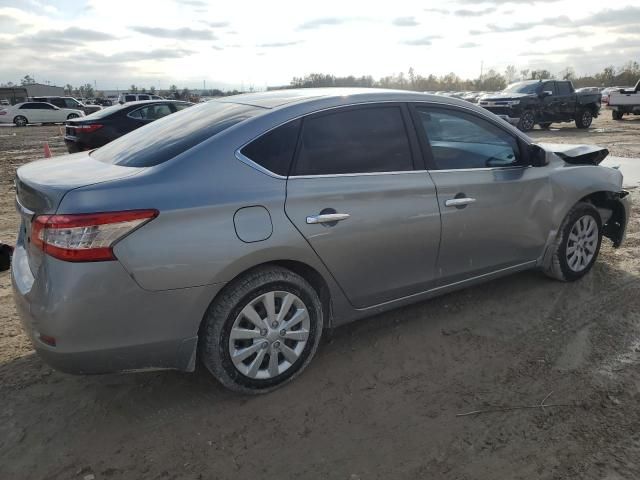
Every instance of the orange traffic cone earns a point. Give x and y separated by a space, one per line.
47 150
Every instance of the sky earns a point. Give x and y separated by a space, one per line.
250 43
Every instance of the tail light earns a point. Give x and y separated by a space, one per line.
87 128
2 112
86 237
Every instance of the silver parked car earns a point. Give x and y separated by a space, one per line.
235 231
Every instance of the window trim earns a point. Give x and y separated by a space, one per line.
422 167
168 105
430 164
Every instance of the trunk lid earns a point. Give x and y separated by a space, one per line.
41 185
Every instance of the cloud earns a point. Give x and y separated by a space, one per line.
216 24
405 22
469 45
321 22
279 44
69 36
194 3
423 41
184 33
441 11
156 54
474 13
562 51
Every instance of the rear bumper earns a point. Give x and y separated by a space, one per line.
73 146
102 321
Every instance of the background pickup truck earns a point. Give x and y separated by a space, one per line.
543 102
625 101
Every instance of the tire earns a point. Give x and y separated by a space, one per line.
527 121
20 121
616 115
248 297
563 265
545 125
584 119
72 115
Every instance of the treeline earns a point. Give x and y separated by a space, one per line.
492 80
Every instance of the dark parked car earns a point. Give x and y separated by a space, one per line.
100 128
543 102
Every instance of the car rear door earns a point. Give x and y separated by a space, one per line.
494 208
355 195
566 100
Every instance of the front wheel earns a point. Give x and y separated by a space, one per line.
72 115
20 121
262 330
527 121
584 119
577 244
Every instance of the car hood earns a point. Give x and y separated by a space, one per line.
577 154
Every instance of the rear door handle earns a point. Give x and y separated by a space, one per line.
327 218
458 202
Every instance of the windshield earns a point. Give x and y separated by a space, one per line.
523 87
165 138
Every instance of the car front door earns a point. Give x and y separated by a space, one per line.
493 208
355 195
566 101
550 105
41 112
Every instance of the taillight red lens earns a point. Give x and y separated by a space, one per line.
2 112
87 128
86 237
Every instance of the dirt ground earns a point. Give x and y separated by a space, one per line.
380 400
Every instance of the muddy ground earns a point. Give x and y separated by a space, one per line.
381 399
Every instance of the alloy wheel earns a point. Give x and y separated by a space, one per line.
582 243
269 335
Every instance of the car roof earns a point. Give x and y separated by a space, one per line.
278 98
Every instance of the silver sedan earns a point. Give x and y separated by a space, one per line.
236 231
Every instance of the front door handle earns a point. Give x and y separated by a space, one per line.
327 218
459 202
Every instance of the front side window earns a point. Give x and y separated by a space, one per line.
549 87
129 98
143 97
362 140
274 150
460 141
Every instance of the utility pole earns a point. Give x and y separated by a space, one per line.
481 68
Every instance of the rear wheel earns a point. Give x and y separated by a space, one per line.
262 331
20 121
545 125
72 115
616 115
527 121
577 244
584 119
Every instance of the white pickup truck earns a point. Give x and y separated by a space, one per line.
625 101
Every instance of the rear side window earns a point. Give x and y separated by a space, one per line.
363 140
163 139
274 150
129 98
143 97
182 106
151 112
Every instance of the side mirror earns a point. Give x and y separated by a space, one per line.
546 93
537 156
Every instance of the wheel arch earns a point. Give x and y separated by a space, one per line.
306 271
612 212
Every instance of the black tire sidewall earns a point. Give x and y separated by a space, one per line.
521 125
215 340
579 120
576 214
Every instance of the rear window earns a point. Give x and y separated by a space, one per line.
165 138
105 112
